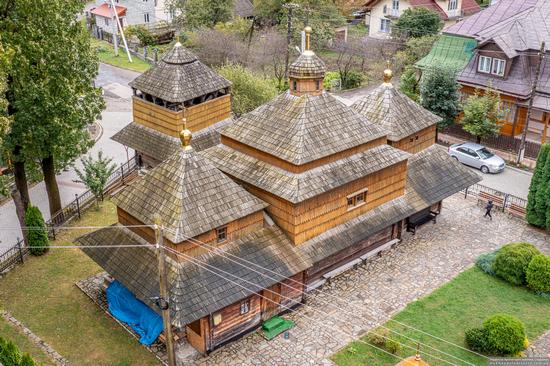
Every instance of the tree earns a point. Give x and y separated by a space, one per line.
207 13
415 49
249 90
409 84
50 91
439 94
482 114
418 22
96 173
37 234
542 202
5 118
532 216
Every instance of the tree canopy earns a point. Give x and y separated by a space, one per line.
50 88
418 22
482 114
207 13
95 174
439 94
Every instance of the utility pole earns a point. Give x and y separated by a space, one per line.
521 151
164 300
290 8
115 37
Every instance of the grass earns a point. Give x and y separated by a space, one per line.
43 296
448 312
7 331
106 53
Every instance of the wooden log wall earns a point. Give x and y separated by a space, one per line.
197 334
306 86
292 291
235 230
313 217
355 251
416 142
233 323
170 122
273 160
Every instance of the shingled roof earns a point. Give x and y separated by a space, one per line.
300 129
298 187
190 195
178 77
161 146
399 115
194 291
307 65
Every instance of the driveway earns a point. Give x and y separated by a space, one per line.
117 115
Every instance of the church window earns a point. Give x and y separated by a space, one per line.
245 306
221 234
357 199
294 85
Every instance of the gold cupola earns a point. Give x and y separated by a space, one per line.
307 73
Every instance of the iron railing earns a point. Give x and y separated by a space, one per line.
13 256
507 202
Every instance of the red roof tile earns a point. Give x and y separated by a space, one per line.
430 5
470 7
107 12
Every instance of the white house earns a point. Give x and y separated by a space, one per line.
381 13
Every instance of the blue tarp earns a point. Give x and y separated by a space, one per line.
124 306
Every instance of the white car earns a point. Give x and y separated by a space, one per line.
477 156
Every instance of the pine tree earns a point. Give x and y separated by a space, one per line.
27 360
9 353
531 215
37 235
542 197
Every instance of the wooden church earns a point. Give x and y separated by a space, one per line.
291 193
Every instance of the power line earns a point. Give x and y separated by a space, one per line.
305 305
217 251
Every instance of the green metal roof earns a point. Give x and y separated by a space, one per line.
450 51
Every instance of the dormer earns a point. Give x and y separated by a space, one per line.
180 87
491 60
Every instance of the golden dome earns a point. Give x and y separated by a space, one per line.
388 74
185 136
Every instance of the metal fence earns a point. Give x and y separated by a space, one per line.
73 210
500 142
502 201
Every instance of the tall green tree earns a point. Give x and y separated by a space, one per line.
482 114
542 202
5 63
439 94
417 22
37 235
537 183
50 91
207 13
96 173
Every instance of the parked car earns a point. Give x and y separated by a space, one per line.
477 156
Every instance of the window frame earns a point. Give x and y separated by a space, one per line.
221 231
501 62
146 18
356 199
395 4
483 60
450 7
245 304
388 27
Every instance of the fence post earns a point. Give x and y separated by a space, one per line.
466 193
77 205
53 231
122 173
156 55
20 251
505 201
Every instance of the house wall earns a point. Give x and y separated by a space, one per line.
268 158
171 122
416 142
313 217
235 230
136 9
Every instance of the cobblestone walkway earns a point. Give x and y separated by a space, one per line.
383 286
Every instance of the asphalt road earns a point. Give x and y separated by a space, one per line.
511 180
118 114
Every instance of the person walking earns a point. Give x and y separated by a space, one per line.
488 209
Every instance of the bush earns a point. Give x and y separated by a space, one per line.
36 235
378 337
146 38
538 274
477 340
11 356
486 261
330 77
352 79
505 334
392 346
512 261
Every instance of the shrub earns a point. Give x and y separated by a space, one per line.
512 261
538 273
476 339
392 346
330 77
37 235
146 38
9 353
505 334
486 261
378 337
352 79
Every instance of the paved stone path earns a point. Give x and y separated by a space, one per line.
384 286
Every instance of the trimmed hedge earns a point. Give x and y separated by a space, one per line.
38 238
502 334
486 261
512 261
505 334
538 274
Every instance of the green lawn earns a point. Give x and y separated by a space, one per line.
43 296
106 53
448 312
